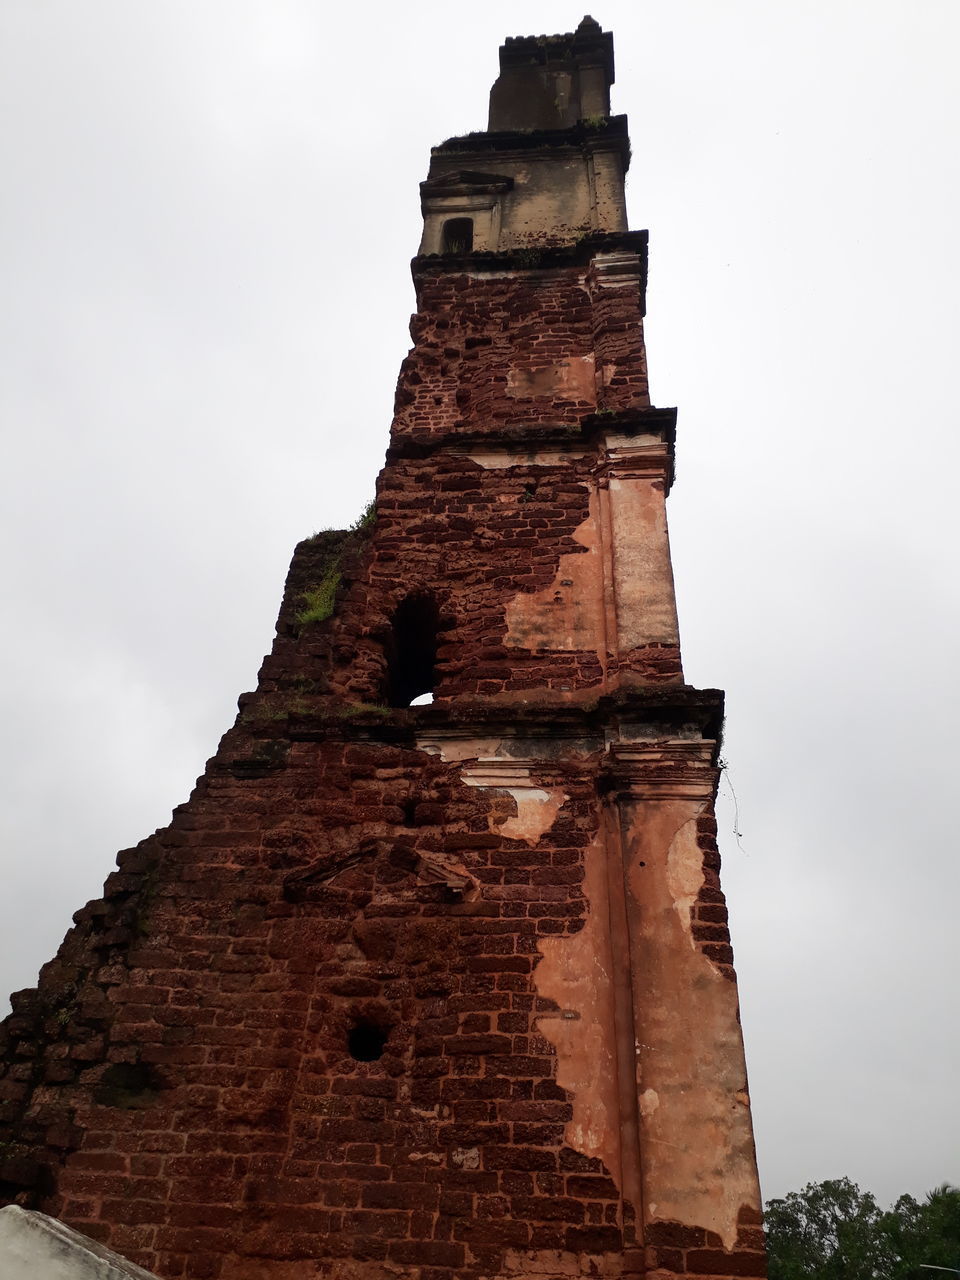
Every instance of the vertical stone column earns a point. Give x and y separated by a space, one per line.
594 90
636 472
605 169
615 283
699 1189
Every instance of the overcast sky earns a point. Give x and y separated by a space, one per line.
208 213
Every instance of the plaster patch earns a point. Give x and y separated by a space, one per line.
536 807
570 379
575 973
500 460
685 876
649 1101
568 614
454 750
536 813
643 577
699 1165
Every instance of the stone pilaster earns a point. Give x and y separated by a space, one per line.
692 1107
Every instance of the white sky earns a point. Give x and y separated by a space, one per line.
207 219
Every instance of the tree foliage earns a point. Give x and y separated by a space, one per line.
834 1231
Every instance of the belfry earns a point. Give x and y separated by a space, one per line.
438 988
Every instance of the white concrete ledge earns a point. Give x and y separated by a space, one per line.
35 1247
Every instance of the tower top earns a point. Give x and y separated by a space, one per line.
552 82
549 168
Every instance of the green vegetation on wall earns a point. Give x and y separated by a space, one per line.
318 599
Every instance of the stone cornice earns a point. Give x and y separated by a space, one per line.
664 711
595 427
678 769
611 135
581 253
465 182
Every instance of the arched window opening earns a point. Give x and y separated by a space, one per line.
412 653
458 235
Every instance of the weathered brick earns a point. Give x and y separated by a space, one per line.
719 1263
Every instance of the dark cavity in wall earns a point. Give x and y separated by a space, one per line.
366 1041
458 235
128 1085
412 650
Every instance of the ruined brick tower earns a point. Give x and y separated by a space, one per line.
440 990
